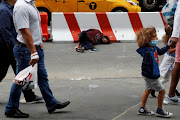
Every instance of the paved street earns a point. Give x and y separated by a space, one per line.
105 85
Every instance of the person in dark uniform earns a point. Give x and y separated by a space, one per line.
7 41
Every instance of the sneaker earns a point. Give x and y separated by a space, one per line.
144 111
94 50
171 100
162 113
153 93
177 93
37 99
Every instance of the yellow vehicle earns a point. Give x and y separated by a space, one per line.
87 6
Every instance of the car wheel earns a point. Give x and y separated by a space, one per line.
149 5
119 10
48 12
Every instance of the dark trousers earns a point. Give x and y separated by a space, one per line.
85 41
7 59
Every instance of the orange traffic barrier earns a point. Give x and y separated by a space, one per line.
44 26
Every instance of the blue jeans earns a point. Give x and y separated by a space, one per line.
22 56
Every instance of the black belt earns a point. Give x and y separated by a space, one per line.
24 45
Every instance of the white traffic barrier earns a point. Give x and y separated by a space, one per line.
119 26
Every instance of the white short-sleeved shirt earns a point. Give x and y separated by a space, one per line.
26 15
176 26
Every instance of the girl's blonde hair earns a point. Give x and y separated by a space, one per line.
145 35
168 30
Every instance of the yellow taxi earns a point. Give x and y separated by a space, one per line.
87 6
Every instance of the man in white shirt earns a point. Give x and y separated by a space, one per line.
29 50
8 37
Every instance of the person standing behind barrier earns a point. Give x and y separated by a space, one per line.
147 41
7 41
29 50
167 64
172 98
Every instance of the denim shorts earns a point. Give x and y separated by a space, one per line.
154 84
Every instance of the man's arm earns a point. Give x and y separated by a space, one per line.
29 43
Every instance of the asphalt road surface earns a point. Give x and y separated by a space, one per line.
104 85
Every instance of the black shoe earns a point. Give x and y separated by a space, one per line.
16 114
153 93
37 99
59 106
177 93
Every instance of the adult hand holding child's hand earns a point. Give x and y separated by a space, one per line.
173 41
